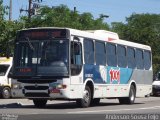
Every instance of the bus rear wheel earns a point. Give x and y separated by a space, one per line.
6 93
39 103
131 98
86 100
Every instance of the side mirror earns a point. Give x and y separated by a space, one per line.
76 39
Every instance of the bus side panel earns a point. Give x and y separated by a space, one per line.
142 76
117 75
143 79
95 72
107 75
108 81
119 90
99 76
115 81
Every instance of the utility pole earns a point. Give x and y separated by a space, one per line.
10 11
29 10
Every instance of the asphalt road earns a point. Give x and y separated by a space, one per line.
23 109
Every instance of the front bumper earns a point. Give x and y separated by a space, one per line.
44 91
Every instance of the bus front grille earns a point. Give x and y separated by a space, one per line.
36 87
36 95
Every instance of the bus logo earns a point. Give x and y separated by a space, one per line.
114 75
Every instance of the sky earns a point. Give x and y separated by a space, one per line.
117 10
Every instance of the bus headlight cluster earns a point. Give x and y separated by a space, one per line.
60 86
55 88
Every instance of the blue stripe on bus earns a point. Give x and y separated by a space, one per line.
107 74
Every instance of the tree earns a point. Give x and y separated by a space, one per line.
7 29
144 29
8 32
62 16
3 10
2 25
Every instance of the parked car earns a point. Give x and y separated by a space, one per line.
156 85
8 87
5 81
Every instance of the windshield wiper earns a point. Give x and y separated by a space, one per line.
29 43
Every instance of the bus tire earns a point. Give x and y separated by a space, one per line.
131 98
95 101
86 100
6 93
39 103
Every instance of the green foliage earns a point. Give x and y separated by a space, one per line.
8 32
144 29
62 16
5 28
140 28
3 10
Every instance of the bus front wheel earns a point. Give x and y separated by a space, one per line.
131 98
39 103
86 100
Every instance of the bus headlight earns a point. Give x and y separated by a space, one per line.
60 86
55 88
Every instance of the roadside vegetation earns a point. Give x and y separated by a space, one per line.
140 28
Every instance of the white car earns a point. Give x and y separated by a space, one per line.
5 81
156 86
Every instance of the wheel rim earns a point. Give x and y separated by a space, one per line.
86 96
6 93
132 97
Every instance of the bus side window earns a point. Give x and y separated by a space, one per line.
147 60
139 59
131 57
121 56
100 53
88 51
76 58
111 55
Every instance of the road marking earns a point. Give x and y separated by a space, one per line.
98 111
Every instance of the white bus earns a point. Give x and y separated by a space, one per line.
86 66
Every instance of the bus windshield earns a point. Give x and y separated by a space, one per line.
3 69
43 57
